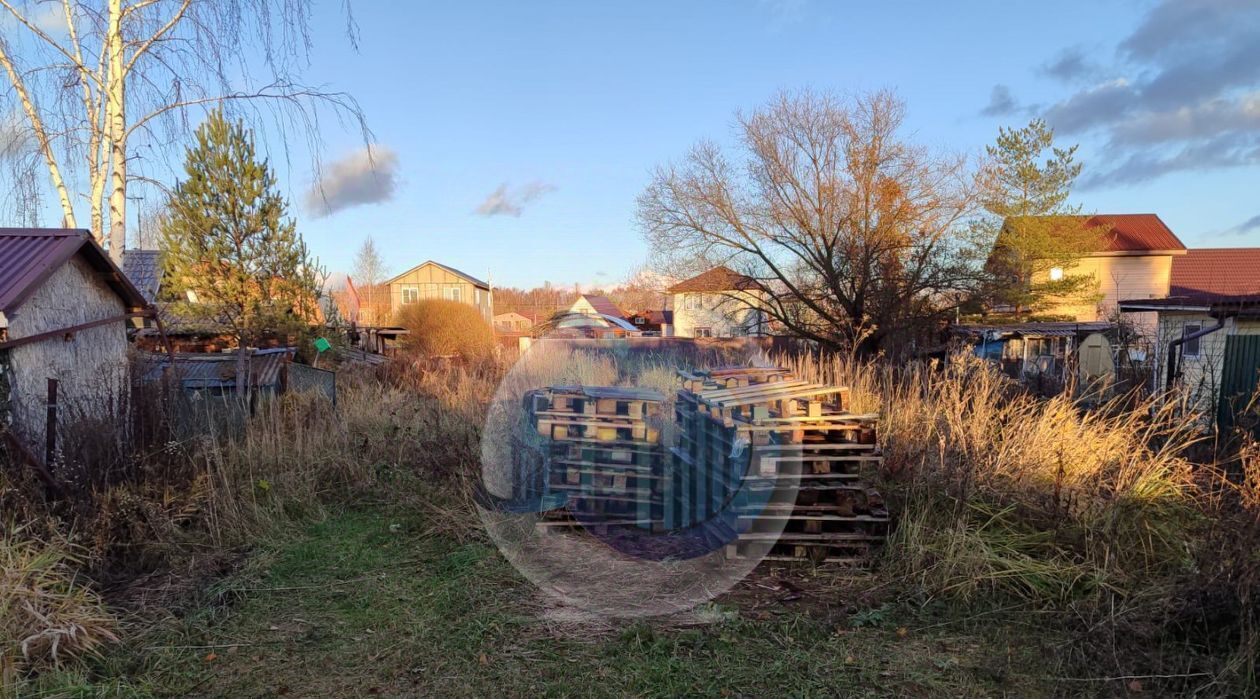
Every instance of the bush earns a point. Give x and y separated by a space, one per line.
441 328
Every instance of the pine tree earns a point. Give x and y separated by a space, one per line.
1035 229
227 239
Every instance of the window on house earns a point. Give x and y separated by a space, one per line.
702 332
476 296
454 293
410 294
693 302
1190 348
1056 274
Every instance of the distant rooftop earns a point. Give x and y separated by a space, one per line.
141 267
720 278
603 305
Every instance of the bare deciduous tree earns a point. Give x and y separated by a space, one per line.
368 275
104 85
854 236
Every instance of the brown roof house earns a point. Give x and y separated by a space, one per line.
717 303
1133 259
596 305
1207 342
651 321
64 312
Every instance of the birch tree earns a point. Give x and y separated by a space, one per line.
105 87
369 274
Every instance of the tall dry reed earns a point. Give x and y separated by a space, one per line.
1002 492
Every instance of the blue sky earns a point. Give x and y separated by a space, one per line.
517 135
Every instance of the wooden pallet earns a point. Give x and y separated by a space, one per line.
751 438
779 462
602 448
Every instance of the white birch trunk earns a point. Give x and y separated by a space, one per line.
42 140
116 128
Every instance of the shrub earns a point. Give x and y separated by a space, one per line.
442 328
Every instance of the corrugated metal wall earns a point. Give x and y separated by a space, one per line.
1239 378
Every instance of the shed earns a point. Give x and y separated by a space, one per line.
1033 349
64 311
215 373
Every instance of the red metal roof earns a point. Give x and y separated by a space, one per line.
1216 273
1135 233
721 278
602 304
1130 233
28 256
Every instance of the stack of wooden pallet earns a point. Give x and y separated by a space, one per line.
601 449
750 435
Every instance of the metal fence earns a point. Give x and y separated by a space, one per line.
304 378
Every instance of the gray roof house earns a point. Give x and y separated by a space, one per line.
142 268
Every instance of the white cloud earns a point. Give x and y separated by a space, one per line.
1251 225
1001 102
367 176
785 13
511 201
1183 93
49 18
15 137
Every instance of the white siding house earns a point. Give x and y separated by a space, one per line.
717 303
1214 294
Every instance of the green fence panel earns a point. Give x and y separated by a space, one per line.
1239 377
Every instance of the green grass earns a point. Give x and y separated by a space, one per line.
354 607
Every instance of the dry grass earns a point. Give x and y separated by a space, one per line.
1001 492
444 328
48 612
1098 517
1000 497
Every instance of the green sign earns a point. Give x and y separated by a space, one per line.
322 345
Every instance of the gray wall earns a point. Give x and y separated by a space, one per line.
91 367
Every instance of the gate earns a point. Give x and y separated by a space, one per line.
1239 378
